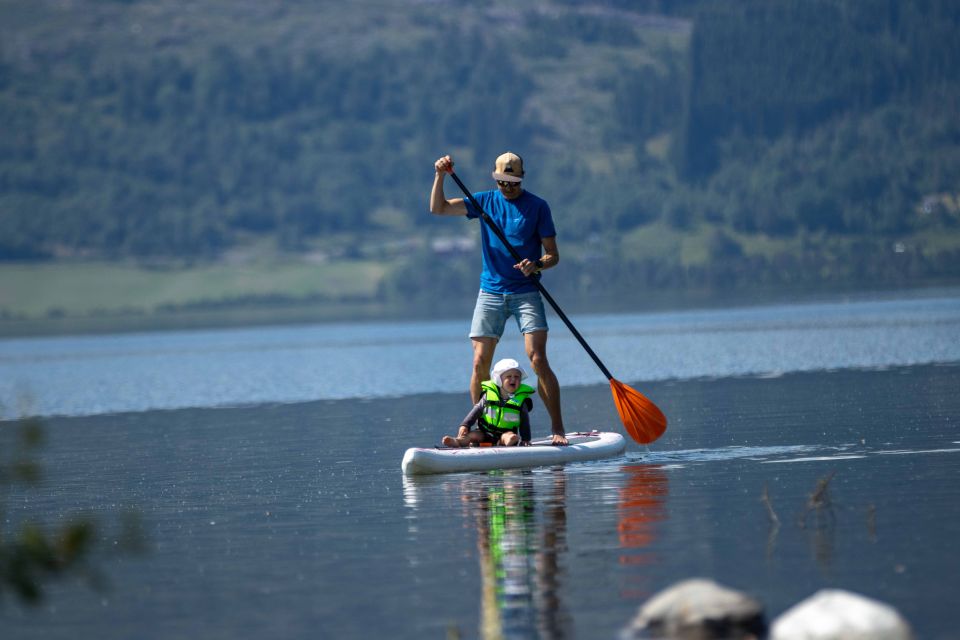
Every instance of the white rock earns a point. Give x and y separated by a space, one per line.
698 608
832 614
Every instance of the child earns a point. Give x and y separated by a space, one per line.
501 412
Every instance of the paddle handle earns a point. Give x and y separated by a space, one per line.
516 256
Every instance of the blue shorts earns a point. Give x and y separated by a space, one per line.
492 310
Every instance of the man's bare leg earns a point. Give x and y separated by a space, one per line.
483 349
547 385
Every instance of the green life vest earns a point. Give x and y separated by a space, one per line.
500 416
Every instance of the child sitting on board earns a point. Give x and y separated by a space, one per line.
501 413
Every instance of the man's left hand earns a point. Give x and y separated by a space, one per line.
526 266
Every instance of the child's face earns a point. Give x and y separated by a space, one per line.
510 380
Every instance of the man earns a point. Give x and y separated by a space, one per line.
505 286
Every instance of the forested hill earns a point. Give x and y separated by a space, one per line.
679 142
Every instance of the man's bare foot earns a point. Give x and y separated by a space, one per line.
450 441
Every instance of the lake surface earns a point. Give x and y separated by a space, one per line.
273 504
167 370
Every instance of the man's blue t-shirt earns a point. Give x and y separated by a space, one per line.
525 221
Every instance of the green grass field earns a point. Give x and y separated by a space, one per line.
41 290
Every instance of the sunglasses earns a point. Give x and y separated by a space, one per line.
505 184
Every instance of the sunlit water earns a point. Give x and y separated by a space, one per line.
292 519
137 372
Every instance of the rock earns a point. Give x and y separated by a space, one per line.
832 614
698 609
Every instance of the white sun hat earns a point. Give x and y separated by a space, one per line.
502 366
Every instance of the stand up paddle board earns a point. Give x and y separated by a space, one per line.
584 445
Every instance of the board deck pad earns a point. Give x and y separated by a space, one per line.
583 446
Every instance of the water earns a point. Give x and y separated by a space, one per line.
139 372
290 519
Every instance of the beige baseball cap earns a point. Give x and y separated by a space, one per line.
508 167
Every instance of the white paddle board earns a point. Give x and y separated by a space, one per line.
584 445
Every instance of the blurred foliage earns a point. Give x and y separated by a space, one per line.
32 553
131 130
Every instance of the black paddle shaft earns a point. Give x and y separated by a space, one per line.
516 256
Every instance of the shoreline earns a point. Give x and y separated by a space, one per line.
326 313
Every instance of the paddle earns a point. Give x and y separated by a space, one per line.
642 419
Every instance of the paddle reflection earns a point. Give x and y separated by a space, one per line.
642 506
519 552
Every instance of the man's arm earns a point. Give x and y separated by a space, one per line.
549 258
439 204
551 254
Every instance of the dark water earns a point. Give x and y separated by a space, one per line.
293 521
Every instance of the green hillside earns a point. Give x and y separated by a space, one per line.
681 144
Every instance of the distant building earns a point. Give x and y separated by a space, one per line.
451 245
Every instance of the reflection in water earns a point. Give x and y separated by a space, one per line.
642 506
820 505
774 520
521 524
553 619
519 555
520 518
505 521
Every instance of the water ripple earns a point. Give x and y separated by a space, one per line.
235 367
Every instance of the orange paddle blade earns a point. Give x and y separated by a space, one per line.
643 420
